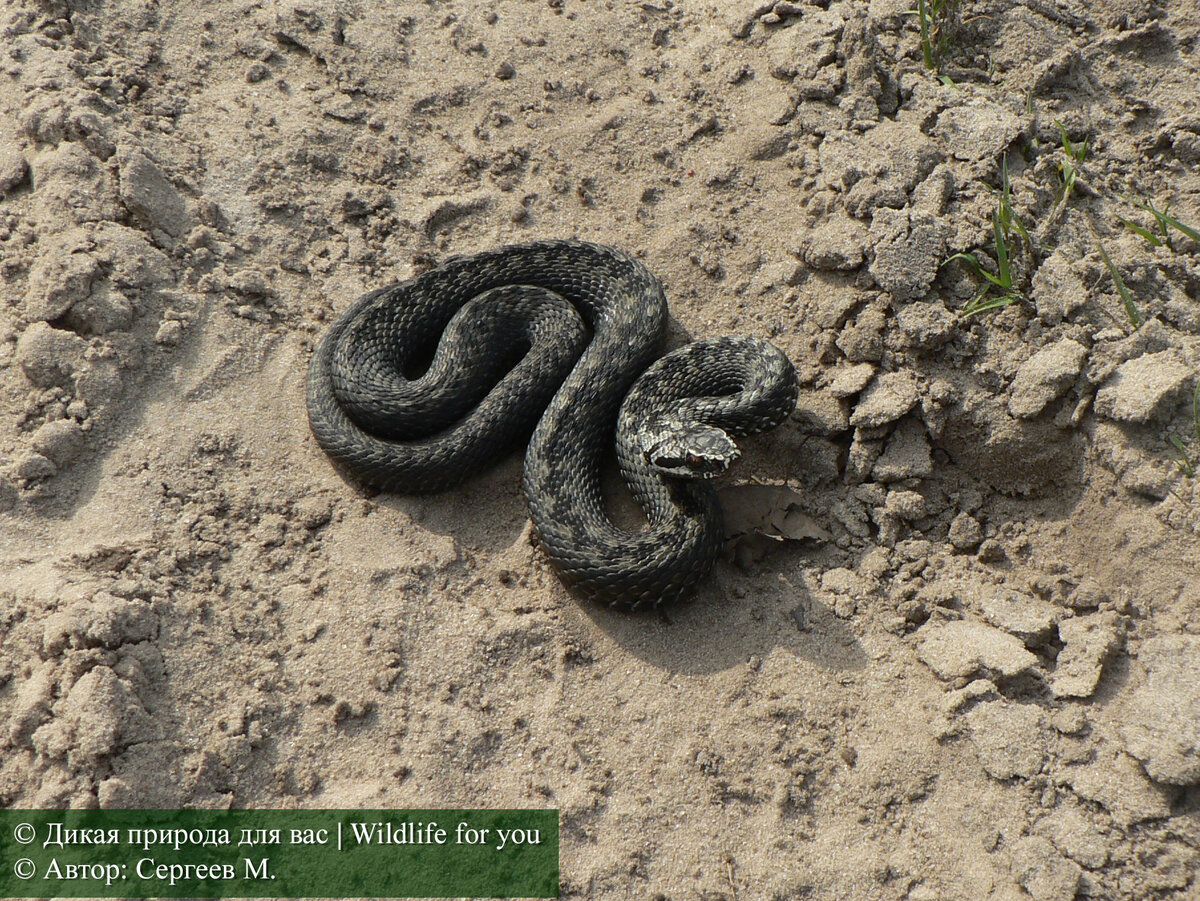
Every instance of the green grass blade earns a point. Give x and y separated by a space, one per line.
967 257
1131 311
1196 410
1005 280
1186 229
1163 219
982 303
1144 232
1181 455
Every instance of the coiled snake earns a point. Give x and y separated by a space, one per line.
422 383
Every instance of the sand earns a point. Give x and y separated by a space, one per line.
963 665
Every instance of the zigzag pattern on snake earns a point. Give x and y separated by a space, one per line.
420 384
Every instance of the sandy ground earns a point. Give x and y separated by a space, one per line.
971 670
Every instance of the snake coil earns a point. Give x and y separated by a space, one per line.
422 383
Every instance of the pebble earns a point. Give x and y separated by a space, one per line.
1142 388
965 532
961 649
1045 377
1088 641
1162 725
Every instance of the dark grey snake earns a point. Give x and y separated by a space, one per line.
422 383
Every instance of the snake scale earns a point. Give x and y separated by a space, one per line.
422 383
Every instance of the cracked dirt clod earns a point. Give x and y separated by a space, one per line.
1045 377
1088 642
963 648
885 400
1143 387
1163 725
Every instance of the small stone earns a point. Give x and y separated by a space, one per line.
1141 389
965 532
1162 726
962 649
906 455
1043 872
1088 641
1028 618
49 356
61 441
1009 738
888 398
257 72
1045 376
170 332
31 467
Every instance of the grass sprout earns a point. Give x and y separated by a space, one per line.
997 288
1135 318
1162 220
1188 463
1068 166
937 21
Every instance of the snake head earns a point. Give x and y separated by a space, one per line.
691 452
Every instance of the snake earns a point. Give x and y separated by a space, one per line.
420 384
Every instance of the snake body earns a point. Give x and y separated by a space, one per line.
420 384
